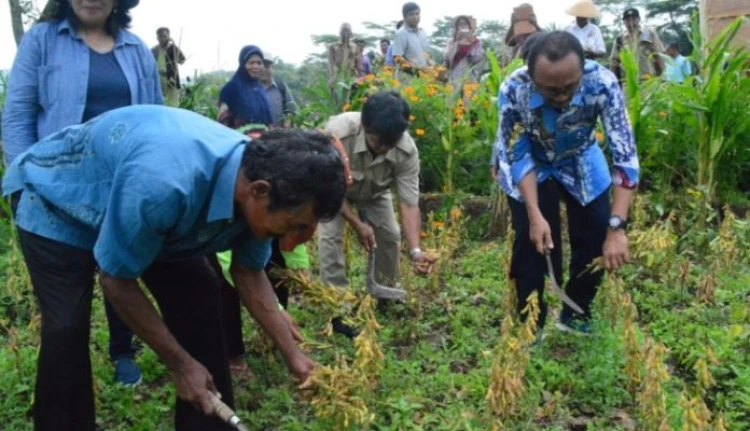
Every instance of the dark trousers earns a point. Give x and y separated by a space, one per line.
231 300
587 229
188 295
120 336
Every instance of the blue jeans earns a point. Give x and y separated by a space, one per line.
120 336
587 229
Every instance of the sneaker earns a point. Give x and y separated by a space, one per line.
127 372
580 327
342 328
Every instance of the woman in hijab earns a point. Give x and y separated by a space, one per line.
464 52
243 100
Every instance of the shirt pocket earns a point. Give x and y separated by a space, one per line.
49 85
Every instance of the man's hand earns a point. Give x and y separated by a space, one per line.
193 381
366 236
541 234
494 173
301 366
615 250
423 263
296 334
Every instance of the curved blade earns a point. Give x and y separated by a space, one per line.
378 290
556 287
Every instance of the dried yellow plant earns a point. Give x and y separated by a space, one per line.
695 414
651 399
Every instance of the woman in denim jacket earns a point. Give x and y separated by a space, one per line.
80 63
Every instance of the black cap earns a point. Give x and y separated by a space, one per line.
631 13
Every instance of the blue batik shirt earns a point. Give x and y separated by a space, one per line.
136 185
562 144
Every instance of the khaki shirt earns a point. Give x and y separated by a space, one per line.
647 44
373 177
344 57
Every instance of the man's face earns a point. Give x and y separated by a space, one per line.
412 18
254 66
632 23
163 37
291 226
268 72
557 82
384 47
581 21
375 146
345 32
672 52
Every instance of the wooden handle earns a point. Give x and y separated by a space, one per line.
220 409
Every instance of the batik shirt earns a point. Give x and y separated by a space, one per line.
562 144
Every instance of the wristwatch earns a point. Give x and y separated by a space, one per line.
617 223
415 252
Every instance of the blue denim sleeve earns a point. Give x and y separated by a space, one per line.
252 253
141 210
619 132
154 68
22 99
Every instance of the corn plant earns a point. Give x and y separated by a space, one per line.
718 95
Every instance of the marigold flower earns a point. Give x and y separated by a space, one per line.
396 83
414 99
370 77
409 90
412 118
599 136
419 132
347 107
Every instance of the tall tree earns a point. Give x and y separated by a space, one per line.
16 19
25 12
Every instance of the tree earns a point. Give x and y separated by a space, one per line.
25 12
16 19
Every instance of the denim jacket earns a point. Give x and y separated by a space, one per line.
49 80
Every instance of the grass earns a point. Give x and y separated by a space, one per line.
439 352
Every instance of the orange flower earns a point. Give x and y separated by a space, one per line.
414 99
412 118
419 132
449 88
438 225
599 136
370 77
409 90
456 214
347 107
396 83
432 90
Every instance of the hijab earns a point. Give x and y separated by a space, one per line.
244 95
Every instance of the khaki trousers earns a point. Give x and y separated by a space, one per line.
380 215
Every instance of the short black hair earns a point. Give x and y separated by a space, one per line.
386 41
118 20
386 115
528 43
554 45
161 30
675 46
409 8
301 166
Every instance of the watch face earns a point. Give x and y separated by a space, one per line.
614 222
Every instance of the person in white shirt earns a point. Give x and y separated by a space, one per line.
587 33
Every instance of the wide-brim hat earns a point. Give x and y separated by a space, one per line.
471 19
583 9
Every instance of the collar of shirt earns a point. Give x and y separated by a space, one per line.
360 146
123 37
221 206
413 30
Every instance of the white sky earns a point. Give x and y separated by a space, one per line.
214 31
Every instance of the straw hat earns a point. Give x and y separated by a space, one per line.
583 9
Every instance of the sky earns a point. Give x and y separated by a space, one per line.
211 33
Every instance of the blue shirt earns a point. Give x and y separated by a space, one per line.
562 144
108 88
389 56
678 69
49 80
135 185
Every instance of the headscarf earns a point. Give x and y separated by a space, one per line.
244 95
